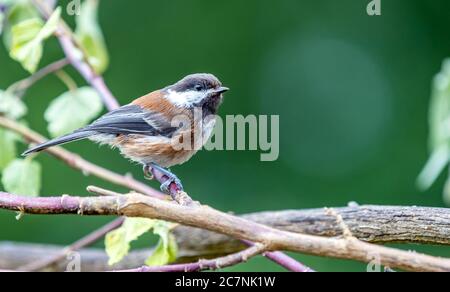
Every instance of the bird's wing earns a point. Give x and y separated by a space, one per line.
132 119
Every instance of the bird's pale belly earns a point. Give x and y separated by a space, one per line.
157 150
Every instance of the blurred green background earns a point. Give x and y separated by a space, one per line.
352 92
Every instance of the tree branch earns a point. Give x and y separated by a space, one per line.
136 205
21 86
204 265
77 162
88 240
375 224
71 50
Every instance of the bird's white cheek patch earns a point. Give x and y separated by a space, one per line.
185 99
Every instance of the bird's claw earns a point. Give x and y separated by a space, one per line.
165 187
171 178
148 175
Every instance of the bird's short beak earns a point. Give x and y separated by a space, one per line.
222 90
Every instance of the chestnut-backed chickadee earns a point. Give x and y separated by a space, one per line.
144 131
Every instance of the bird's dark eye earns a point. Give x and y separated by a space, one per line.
198 87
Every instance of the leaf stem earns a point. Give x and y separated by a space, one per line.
67 80
19 88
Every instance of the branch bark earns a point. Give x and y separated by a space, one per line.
136 205
375 224
204 265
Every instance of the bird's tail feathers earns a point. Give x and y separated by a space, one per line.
78 135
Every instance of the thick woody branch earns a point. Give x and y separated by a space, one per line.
136 205
375 224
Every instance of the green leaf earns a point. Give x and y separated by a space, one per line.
28 37
440 108
117 242
90 36
22 177
435 165
73 110
11 106
439 121
8 147
166 250
19 11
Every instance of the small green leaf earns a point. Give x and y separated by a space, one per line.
440 108
11 106
28 37
165 252
435 165
22 177
73 110
117 242
439 121
19 10
8 147
90 36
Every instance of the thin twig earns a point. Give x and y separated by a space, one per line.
85 241
340 221
19 88
77 162
283 260
288 262
204 265
101 191
177 194
71 50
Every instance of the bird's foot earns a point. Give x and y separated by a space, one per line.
148 175
165 187
171 179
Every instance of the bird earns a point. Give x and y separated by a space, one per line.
144 130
